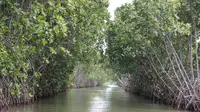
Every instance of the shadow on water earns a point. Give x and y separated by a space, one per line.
99 99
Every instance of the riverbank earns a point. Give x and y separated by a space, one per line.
5 104
155 96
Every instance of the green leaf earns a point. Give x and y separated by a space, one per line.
4 71
52 50
56 29
51 3
30 95
37 75
63 49
47 61
21 75
44 42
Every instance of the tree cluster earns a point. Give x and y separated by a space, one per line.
154 47
41 41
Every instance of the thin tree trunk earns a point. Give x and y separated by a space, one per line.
190 58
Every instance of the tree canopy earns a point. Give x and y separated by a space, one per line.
154 44
41 42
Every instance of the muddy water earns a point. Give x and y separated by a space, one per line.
100 99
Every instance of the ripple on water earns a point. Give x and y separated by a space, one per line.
99 104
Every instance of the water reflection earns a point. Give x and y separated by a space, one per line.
101 102
101 99
98 104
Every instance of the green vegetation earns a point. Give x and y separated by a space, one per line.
91 75
153 45
41 42
48 45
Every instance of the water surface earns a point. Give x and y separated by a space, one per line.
99 99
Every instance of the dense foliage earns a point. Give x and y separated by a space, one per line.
41 41
153 45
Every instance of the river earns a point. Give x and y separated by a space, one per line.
99 99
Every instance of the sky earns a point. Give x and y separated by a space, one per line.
114 4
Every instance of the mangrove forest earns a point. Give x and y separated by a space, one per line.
59 49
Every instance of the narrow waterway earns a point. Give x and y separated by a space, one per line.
100 99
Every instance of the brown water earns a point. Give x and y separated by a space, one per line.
101 99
